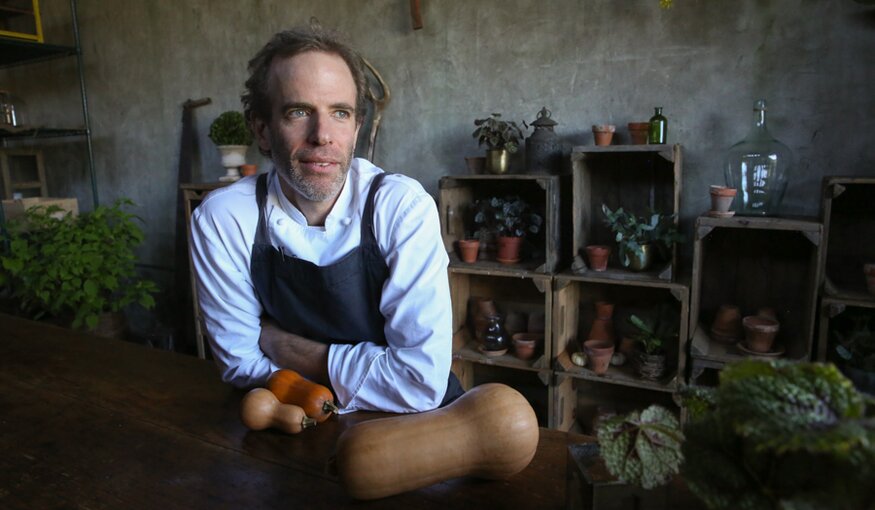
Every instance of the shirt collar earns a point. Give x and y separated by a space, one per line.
339 213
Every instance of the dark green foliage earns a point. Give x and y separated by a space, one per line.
508 216
59 265
780 435
656 329
631 231
498 134
643 448
230 128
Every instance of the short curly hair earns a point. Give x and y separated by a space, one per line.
289 43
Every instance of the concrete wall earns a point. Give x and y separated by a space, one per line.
589 61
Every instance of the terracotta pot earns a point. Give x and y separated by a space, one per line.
767 311
869 271
525 344
721 198
476 164
468 250
604 310
508 249
603 133
601 329
479 311
760 332
248 169
726 327
598 355
627 346
638 132
597 255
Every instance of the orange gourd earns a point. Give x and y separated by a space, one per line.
291 387
260 409
489 432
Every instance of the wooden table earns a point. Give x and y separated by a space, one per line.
92 423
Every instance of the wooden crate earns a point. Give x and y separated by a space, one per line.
838 314
20 19
574 296
638 178
754 262
543 192
16 207
848 217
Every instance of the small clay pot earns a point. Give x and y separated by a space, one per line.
597 255
760 332
603 133
479 311
638 132
869 271
726 327
476 164
508 249
598 355
248 169
721 200
468 250
525 344
604 310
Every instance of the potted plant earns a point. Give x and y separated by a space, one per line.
854 348
231 134
501 137
635 458
653 334
510 219
779 434
639 239
74 269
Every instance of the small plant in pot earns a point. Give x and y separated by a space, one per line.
501 137
641 239
654 333
74 269
510 219
230 132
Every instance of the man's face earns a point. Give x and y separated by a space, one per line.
313 128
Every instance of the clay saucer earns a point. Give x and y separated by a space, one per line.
718 214
775 352
492 354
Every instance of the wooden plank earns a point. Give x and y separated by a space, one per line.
849 233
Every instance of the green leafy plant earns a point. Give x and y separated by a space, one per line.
642 448
855 347
632 232
778 434
654 332
506 216
79 266
498 134
230 128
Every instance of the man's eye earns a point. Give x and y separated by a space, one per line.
297 113
342 114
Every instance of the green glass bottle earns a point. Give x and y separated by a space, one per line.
658 127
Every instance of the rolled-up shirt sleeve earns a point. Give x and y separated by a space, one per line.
410 373
231 311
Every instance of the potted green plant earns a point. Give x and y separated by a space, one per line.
501 137
74 269
854 348
639 238
635 458
509 219
232 136
653 334
780 434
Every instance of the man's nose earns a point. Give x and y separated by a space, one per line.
319 130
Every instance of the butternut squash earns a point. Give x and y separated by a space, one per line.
291 387
489 432
260 409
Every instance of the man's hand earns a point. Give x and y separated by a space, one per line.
307 357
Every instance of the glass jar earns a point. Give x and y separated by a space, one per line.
495 338
758 168
658 132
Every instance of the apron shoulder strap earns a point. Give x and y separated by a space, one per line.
368 235
261 236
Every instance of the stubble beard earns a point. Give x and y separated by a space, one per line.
314 189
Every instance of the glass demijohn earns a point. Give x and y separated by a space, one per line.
758 168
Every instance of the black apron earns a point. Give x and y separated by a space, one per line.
337 303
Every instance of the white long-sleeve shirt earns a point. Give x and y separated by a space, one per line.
407 375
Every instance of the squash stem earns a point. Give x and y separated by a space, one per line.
308 422
329 407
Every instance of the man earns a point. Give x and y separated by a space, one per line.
325 265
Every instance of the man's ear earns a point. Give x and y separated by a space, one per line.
262 133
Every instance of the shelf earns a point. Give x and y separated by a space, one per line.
22 134
665 149
15 52
623 375
470 352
